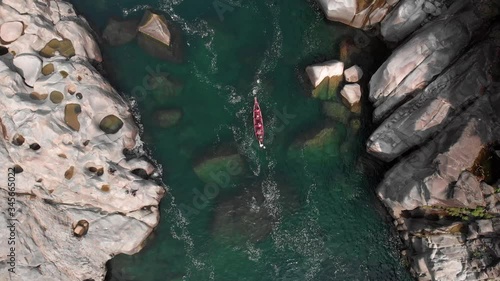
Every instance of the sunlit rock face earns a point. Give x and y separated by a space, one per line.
422 117
412 66
160 37
357 13
64 130
436 100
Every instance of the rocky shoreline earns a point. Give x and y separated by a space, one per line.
85 190
436 101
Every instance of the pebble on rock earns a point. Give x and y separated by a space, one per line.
81 228
18 140
18 169
37 96
69 173
35 146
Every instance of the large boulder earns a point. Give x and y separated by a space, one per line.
420 118
159 37
357 13
426 176
119 32
353 74
351 94
318 72
223 169
412 66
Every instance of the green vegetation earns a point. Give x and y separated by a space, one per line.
63 47
328 89
465 213
336 111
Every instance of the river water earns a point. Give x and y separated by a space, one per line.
294 211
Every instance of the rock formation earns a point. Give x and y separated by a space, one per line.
437 98
159 37
357 13
78 200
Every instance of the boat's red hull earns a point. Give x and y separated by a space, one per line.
258 123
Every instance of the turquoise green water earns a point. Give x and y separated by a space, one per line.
294 211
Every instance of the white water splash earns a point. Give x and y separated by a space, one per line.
135 9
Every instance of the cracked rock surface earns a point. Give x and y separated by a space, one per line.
69 169
436 101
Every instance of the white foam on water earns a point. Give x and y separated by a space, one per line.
253 253
271 197
135 9
305 239
179 231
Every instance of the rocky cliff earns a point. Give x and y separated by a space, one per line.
436 102
82 186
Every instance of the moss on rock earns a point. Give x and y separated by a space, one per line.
221 168
63 47
71 112
328 89
167 118
56 97
336 111
48 69
111 124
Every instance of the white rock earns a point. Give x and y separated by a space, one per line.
10 31
346 11
353 74
120 218
29 66
352 93
318 72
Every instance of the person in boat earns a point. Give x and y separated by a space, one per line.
259 131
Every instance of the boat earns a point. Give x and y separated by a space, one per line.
258 123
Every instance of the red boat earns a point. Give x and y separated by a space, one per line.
258 123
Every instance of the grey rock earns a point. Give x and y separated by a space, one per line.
467 191
424 177
419 119
425 55
405 18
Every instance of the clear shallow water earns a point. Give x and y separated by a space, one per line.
293 214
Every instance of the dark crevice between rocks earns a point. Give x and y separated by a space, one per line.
486 167
140 173
3 51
